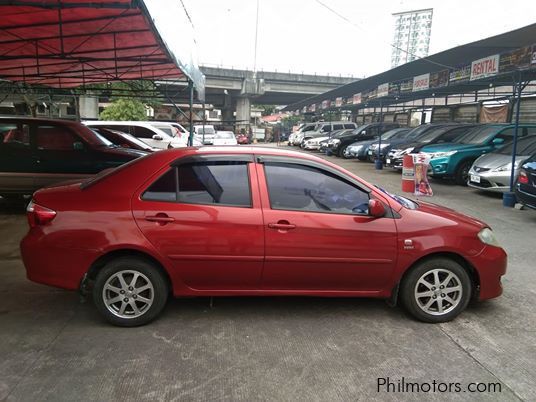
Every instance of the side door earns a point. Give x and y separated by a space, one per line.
204 216
318 233
17 163
60 155
150 137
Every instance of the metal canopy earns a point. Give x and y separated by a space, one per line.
70 43
450 59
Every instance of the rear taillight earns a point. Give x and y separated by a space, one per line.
523 177
39 215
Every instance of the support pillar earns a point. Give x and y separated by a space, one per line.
243 114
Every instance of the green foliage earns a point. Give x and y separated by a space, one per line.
124 109
267 109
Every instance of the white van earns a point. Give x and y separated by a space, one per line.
204 133
155 134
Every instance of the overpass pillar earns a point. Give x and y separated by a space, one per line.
243 114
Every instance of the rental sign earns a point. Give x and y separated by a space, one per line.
485 67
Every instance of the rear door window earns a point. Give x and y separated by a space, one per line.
56 138
219 183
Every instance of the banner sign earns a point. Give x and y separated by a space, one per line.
394 88
460 75
332 103
383 90
485 67
406 86
356 100
338 102
312 108
304 110
422 186
421 82
439 79
366 96
325 104
516 59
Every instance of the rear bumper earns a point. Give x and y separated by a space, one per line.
490 265
54 266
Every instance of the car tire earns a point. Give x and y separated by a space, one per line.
436 290
342 149
462 173
136 303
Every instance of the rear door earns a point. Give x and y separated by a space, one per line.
318 233
60 155
204 215
17 163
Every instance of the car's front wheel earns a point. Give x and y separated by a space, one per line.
130 291
436 290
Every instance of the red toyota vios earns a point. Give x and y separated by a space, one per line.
251 221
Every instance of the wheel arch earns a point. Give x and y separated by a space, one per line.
471 271
100 262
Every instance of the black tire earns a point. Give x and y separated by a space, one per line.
462 173
126 267
412 285
340 154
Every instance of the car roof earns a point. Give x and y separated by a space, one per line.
144 124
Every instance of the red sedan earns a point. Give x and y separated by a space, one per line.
253 221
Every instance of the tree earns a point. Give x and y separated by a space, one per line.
124 109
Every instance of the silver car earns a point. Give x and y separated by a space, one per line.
491 172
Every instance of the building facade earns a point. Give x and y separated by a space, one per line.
412 36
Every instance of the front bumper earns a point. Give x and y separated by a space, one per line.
524 196
490 265
497 182
439 167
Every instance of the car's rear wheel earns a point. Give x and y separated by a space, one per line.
130 291
462 173
436 290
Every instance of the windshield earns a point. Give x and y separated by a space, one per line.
104 141
392 133
224 135
479 135
205 130
308 128
525 146
431 135
417 131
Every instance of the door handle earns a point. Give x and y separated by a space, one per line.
282 225
160 218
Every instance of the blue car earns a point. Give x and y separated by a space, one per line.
453 160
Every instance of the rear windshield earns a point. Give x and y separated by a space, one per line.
103 174
205 130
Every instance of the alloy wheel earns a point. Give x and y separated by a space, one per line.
128 294
438 291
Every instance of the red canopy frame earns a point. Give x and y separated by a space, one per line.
70 43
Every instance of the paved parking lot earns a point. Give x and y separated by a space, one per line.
52 347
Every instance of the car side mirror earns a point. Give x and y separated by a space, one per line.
376 208
363 132
78 146
498 141
157 137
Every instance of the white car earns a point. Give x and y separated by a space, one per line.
225 138
145 131
205 133
314 143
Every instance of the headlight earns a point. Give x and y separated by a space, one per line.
383 146
335 141
503 168
442 154
487 236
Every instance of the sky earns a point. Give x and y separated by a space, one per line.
304 36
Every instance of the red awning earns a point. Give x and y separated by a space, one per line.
69 43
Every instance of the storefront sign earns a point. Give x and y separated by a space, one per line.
406 86
516 59
439 79
356 100
383 90
485 67
421 82
460 75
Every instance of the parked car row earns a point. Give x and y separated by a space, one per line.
478 155
35 153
